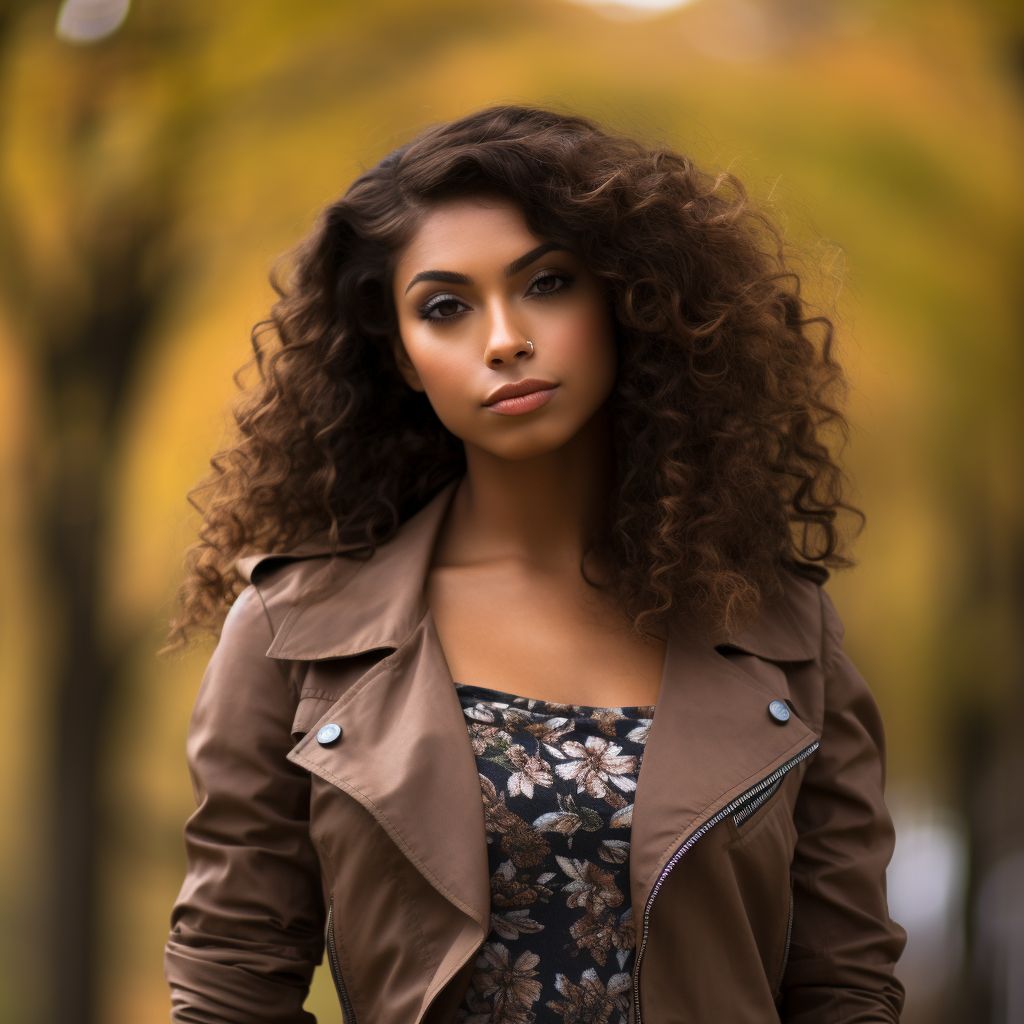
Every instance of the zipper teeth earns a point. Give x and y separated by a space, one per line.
706 827
789 938
332 959
753 806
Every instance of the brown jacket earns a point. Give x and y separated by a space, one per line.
753 901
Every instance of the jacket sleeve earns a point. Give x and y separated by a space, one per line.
246 930
843 944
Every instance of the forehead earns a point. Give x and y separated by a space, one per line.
466 232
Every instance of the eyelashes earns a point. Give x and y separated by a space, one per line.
447 306
436 306
545 277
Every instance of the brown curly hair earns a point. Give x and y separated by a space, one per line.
725 403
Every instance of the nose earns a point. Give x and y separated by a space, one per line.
506 342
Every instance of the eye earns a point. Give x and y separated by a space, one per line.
442 307
548 282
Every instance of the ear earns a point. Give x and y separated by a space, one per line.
405 367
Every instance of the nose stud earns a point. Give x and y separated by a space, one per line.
530 343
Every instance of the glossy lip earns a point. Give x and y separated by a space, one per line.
521 397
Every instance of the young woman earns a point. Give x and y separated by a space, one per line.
529 704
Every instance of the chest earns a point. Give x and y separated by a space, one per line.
550 636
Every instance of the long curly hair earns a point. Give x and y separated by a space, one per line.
725 412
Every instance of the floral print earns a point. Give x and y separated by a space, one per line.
600 764
558 782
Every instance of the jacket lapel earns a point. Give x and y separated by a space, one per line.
404 751
405 755
712 738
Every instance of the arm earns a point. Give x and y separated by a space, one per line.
844 945
247 928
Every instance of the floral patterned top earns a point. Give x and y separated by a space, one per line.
558 783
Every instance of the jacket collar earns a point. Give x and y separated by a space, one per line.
348 606
382 600
788 629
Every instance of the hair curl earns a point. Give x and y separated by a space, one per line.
725 402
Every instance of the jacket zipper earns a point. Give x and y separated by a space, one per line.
332 959
789 937
752 807
730 808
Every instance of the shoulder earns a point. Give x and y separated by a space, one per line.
242 688
246 625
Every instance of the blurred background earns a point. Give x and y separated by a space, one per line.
154 160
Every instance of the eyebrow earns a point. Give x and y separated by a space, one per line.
451 277
444 276
532 256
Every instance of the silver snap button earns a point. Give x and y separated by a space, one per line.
778 711
328 734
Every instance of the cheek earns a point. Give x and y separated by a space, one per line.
586 347
438 371
444 375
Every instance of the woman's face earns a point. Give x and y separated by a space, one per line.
510 338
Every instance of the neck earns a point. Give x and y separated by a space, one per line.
544 509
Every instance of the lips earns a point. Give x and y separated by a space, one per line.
520 397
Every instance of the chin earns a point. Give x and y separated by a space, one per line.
529 446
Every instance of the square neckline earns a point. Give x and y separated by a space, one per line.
500 697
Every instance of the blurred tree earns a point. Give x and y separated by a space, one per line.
89 263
